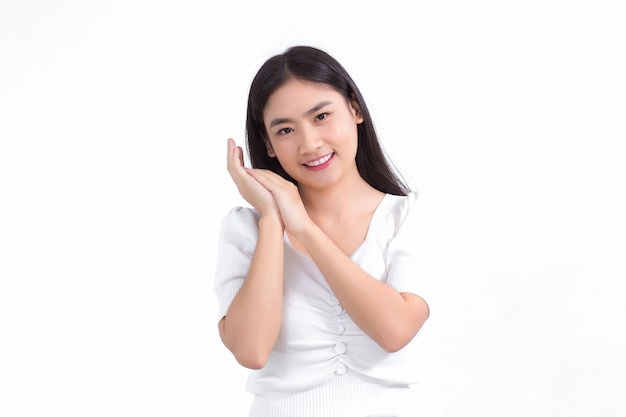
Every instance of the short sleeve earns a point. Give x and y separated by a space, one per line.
237 239
403 254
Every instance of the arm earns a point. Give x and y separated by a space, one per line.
252 323
389 317
251 326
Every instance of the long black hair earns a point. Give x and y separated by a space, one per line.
307 63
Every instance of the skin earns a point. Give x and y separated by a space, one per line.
326 217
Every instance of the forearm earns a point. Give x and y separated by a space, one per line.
252 323
389 317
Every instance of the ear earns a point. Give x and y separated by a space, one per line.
356 110
270 150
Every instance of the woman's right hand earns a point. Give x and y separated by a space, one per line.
249 188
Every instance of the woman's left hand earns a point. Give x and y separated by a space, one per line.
294 215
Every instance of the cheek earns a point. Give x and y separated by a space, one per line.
282 150
344 132
337 131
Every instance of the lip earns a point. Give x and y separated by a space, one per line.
320 166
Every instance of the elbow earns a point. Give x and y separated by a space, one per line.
249 353
251 363
394 344
252 359
394 341
398 339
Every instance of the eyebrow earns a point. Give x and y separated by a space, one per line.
314 109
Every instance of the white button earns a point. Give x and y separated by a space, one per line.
341 369
337 309
340 348
340 328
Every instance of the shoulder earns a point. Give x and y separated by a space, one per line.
404 202
239 222
399 208
241 216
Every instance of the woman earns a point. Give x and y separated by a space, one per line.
317 282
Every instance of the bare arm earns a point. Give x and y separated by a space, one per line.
389 317
252 323
251 326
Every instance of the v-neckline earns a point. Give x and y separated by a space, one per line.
371 227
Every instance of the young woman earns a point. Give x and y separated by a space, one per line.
317 282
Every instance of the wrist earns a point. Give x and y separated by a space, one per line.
307 232
271 220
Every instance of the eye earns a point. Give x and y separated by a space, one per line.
285 130
321 116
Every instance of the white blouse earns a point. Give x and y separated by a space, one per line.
318 341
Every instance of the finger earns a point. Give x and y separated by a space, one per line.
230 151
240 150
234 156
233 164
269 179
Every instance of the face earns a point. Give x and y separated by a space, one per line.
312 130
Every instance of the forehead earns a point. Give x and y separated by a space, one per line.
295 97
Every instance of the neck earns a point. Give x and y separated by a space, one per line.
339 201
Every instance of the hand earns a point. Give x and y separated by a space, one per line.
249 188
286 195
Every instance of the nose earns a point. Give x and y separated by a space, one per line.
310 140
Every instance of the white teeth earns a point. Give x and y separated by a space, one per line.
319 161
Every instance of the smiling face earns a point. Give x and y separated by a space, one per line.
312 131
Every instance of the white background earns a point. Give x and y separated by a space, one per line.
509 116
